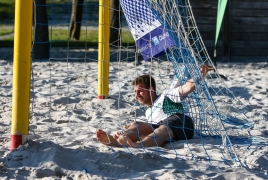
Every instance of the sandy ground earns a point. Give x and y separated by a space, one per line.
65 115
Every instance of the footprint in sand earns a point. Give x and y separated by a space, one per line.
66 100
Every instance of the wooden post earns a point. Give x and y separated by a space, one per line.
115 30
227 33
76 19
41 46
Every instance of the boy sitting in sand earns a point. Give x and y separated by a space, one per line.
163 123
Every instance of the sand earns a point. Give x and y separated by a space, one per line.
65 115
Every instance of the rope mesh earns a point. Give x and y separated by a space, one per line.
72 107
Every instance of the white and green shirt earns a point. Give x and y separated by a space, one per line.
164 106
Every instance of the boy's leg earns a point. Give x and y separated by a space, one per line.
135 131
176 127
156 138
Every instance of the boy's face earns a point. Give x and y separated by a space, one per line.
143 95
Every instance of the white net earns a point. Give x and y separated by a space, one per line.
64 90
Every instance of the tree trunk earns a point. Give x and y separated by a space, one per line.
41 45
76 19
115 23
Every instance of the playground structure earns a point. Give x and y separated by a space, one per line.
217 113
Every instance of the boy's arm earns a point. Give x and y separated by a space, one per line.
189 86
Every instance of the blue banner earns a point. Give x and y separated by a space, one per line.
150 35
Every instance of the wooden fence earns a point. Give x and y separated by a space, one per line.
244 32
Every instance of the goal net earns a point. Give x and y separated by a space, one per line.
167 46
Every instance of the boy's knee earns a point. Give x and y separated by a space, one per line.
136 123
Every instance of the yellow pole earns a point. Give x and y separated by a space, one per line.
21 72
103 49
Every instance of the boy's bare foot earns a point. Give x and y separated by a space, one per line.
106 139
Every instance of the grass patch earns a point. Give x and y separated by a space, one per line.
4 31
65 1
89 36
59 38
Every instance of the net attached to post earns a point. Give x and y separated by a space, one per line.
71 108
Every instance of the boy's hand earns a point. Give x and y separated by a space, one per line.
205 69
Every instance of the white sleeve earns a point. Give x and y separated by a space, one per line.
173 94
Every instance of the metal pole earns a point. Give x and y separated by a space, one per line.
103 49
21 72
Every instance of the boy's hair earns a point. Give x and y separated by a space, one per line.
145 79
